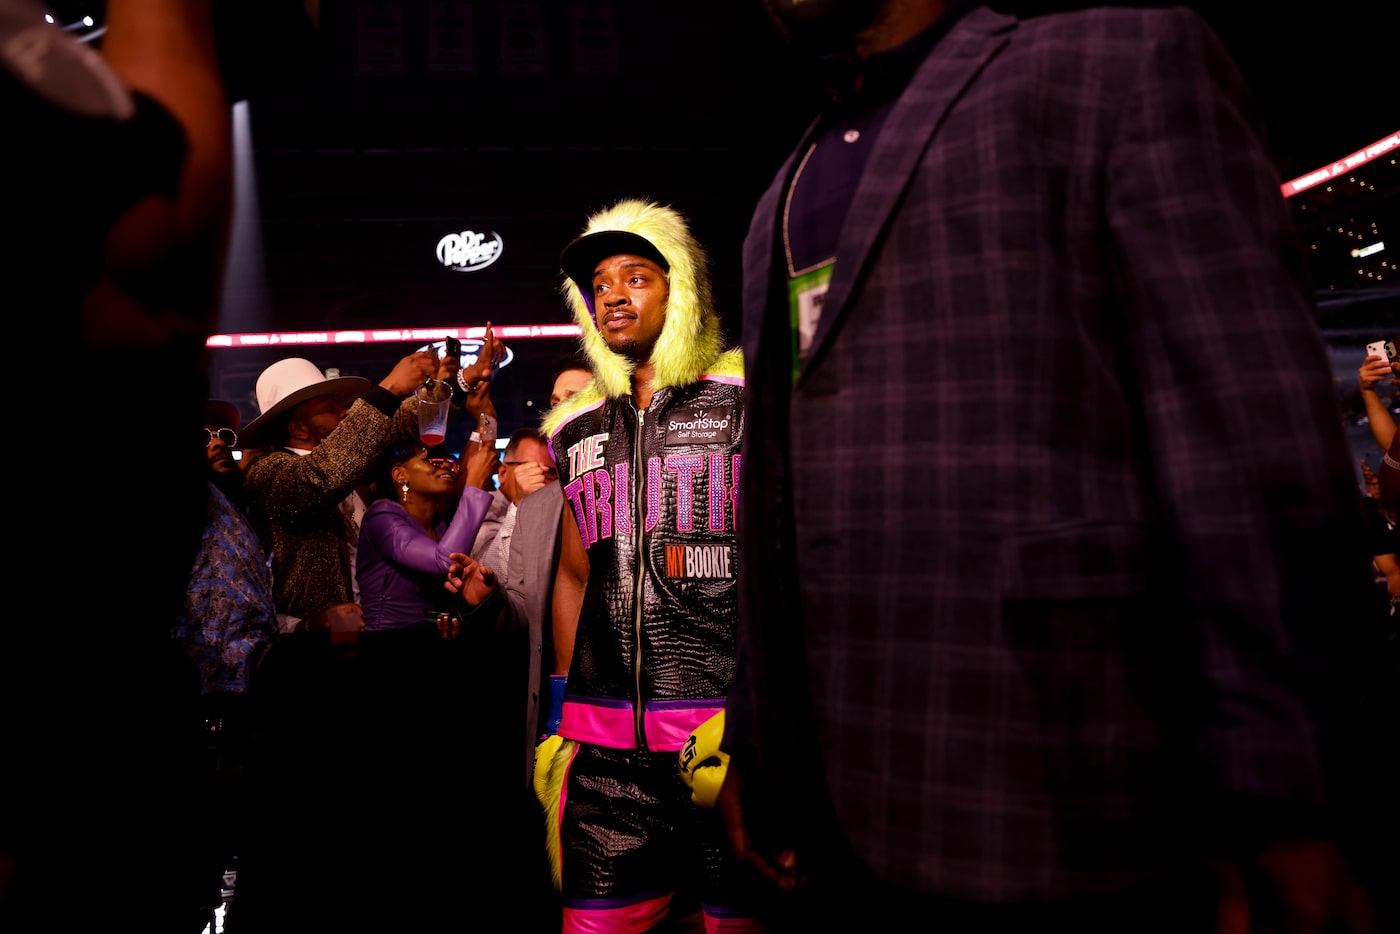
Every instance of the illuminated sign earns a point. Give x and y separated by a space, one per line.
469 251
1328 172
1368 250
468 335
471 349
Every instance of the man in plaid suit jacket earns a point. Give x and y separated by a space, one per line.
1047 610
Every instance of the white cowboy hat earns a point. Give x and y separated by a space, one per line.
290 382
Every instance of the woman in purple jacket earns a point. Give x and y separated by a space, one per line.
406 541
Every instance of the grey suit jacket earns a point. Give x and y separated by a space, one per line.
1042 552
534 556
490 524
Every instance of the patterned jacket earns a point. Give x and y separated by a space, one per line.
1026 580
294 501
228 618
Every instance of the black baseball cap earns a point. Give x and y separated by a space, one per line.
583 255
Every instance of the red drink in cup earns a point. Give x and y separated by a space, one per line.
434 397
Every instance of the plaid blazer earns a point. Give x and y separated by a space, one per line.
1043 553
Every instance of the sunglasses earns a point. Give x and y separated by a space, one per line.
227 435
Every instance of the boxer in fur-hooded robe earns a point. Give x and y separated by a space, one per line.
688 347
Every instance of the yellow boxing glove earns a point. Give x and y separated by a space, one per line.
703 764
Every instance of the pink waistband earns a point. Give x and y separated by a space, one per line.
667 724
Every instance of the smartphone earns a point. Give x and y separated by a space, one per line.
454 349
486 429
1378 349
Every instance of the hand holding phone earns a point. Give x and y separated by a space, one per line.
1377 367
486 429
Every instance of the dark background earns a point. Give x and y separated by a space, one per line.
365 159
367 137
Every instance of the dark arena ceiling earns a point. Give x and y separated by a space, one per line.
371 129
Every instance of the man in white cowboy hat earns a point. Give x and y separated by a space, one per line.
325 434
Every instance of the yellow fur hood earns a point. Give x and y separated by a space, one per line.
689 345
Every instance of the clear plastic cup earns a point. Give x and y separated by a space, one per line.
434 400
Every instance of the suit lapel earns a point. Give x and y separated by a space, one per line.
760 250
911 125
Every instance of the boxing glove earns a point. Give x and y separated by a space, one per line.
703 764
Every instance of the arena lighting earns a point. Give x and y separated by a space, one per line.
1345 164
506 332
238 456
471 349
94 32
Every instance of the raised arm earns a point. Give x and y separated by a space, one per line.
403 542
166 50
1388 476
1373 372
